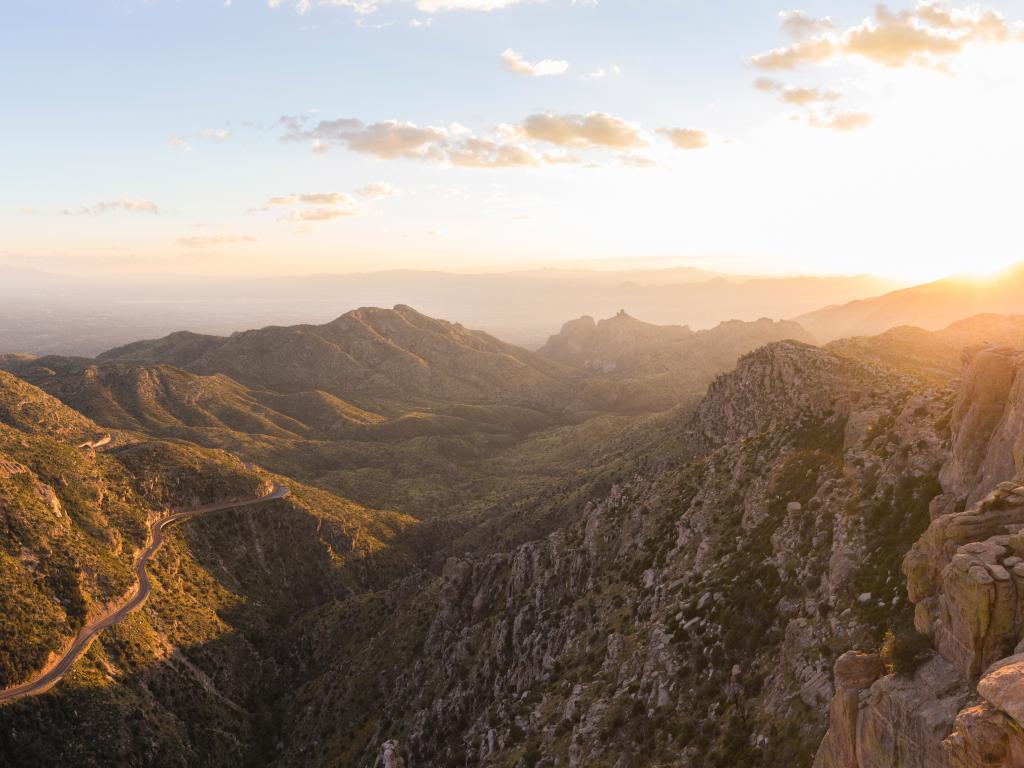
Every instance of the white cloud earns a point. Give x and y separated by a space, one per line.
602 72
515 63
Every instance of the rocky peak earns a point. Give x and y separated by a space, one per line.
607 344
783 382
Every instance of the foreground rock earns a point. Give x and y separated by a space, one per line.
965 574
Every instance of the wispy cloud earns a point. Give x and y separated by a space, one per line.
602 72
797 95
507 146
198 243
427 6
378 190
514 62
843 121
312 207
128 204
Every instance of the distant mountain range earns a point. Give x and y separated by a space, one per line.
43 313
930 306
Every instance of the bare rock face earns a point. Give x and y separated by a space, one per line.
965 575
1003 686
987 424
984 737
903 721
854 674
391 755
781 382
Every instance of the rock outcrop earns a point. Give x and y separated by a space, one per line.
965 575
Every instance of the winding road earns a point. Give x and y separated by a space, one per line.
55 671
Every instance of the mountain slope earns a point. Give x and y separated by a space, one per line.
368 355
930 306
690 617
604 345
637 366
935 355
185 680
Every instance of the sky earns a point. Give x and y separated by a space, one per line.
227 137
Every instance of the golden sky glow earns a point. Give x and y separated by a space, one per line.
834 139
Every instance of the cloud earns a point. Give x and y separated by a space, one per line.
312 207
800 96
178 144
388 139
215 134
602 72
812 51
184 143
841 121
926 36
198 243
799 25
129 204
636 161
515 63
327 198
359 6
686 138
487 153
596 129
433 6
378 190
427 6
507 146
306 215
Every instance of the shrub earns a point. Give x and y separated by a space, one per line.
905 650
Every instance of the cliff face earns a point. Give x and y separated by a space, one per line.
965 575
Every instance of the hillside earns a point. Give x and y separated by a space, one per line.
931 306
690 617
935 355
73 521
389 446
670 586
366 356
